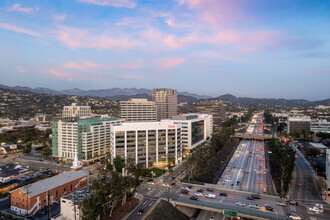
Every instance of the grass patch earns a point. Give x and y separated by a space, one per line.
156 171
165 211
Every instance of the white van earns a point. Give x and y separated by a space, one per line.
210 195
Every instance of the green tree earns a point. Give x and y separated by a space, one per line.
46 152
118 164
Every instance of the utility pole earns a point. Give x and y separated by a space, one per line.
48 195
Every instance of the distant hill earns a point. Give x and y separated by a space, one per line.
111 92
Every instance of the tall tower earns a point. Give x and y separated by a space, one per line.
166 101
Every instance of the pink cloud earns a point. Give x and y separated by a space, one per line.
65 75
19 8
60 17
170 63
114 3
143 76
20 69
173 41
81 66
79 38
19 29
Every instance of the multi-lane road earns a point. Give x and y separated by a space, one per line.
246 170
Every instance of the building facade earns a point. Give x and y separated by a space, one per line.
299 124
136 110
30 198
214 108
196 129
152 144
320 126
327 164
90 137
166 101
76 109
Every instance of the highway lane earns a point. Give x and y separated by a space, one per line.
146 205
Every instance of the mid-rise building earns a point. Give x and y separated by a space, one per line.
214 108
299 124
166 101
196 129
90 137
76 109
30 198
136 110
328 169
152 144
320 126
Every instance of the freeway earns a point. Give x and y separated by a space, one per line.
246 170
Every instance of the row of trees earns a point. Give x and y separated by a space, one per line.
111 189
26 136
204 161
281 163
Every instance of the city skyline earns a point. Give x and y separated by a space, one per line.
273 49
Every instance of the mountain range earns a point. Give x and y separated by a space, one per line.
127 93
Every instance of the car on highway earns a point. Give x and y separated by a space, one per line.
256 196
294 216
224 182
250 198
200 190
140 212
198 194
247 172
151 181
184 191
314 209
194 198
173 184
223 194
189 187
239 203
210 195
269 208
210 189
291 202
253 205
281 203
166 185
212 217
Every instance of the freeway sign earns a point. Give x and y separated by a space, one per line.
230 213
270 152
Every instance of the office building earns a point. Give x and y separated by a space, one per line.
90 137
214 108
30 198
152 144
299 124
136 110
195 129
320 126
166 101
76 109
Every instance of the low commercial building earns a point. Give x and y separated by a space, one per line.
138 110
90 137
10 148
30 198
320 126
152 144
11 171
299 124
196 129
70 204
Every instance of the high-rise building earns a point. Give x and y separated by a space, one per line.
214 108
76 109
138 110
299 124
90 137
152 144
195 129
166 101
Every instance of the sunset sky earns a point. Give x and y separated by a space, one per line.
252 48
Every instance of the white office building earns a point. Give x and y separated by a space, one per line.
320 126
90 137
196 129
136 110
76 109
153 144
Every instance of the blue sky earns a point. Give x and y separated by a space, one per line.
278 48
